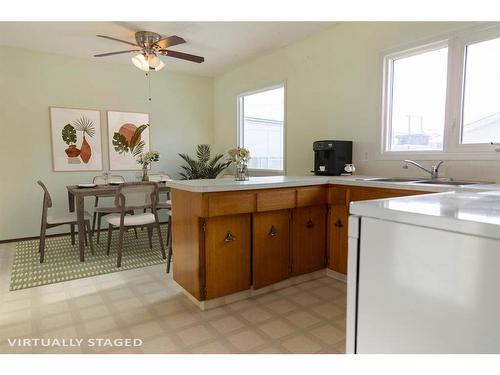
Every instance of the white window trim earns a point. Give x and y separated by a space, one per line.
452 148
239 121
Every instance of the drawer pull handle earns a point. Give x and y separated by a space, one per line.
273 231
310 224
338 223
229 237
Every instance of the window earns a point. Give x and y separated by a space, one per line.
443 98
418 101
261 130
481 109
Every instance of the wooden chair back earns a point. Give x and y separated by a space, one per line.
137 195
47 200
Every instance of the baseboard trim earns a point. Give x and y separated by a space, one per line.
336 275
9 240
239 296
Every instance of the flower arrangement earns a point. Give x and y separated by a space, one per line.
145 159
240 156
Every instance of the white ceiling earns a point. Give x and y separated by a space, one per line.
223 44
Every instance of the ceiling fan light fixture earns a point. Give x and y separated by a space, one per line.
160 66
141 62
153 61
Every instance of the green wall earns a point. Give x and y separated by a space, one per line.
333 86
180 116
333 91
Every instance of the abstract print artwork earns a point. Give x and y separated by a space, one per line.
128 137
76 139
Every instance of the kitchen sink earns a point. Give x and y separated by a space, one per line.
448 182
392 179
453 183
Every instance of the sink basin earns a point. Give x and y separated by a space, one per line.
392 179
453 183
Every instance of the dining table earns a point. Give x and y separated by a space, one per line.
76 201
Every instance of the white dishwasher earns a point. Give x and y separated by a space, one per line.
424 275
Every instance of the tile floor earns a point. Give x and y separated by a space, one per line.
145 303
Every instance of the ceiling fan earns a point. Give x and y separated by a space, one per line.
150 45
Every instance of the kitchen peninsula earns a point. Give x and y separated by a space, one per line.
232 240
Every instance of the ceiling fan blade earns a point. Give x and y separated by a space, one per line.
116 53
169 41
182 55
117 40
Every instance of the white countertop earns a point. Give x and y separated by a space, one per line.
229 184
471 213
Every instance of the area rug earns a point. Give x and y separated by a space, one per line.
62 260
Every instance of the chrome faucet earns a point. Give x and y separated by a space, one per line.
434 171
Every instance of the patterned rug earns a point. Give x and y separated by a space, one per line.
62 260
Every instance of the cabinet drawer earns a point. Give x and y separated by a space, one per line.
276 199
230 203
362 194
338 195
311 196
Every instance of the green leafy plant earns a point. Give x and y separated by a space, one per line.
69 134
136 147
120 143
85 125
203 167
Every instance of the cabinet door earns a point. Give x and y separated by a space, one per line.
227 255
271 247
308 239
338 236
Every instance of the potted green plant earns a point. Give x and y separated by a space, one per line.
203 167
68 134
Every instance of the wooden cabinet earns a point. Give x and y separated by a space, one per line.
271 247
278 199
338 237
311 196
339 198
225 242
227 255
308 239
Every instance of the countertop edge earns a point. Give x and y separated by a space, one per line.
331 180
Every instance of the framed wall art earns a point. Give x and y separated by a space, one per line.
76 139
128 137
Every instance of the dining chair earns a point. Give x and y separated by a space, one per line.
165 203
169 240
102 210
132 196
53 220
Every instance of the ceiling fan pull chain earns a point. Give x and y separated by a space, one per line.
149 84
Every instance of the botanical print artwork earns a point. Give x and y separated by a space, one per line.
76 139
128 137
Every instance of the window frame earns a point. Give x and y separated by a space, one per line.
240 124
453 149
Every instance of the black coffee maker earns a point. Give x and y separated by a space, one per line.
330 157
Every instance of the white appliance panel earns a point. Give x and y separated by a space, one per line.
424 290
